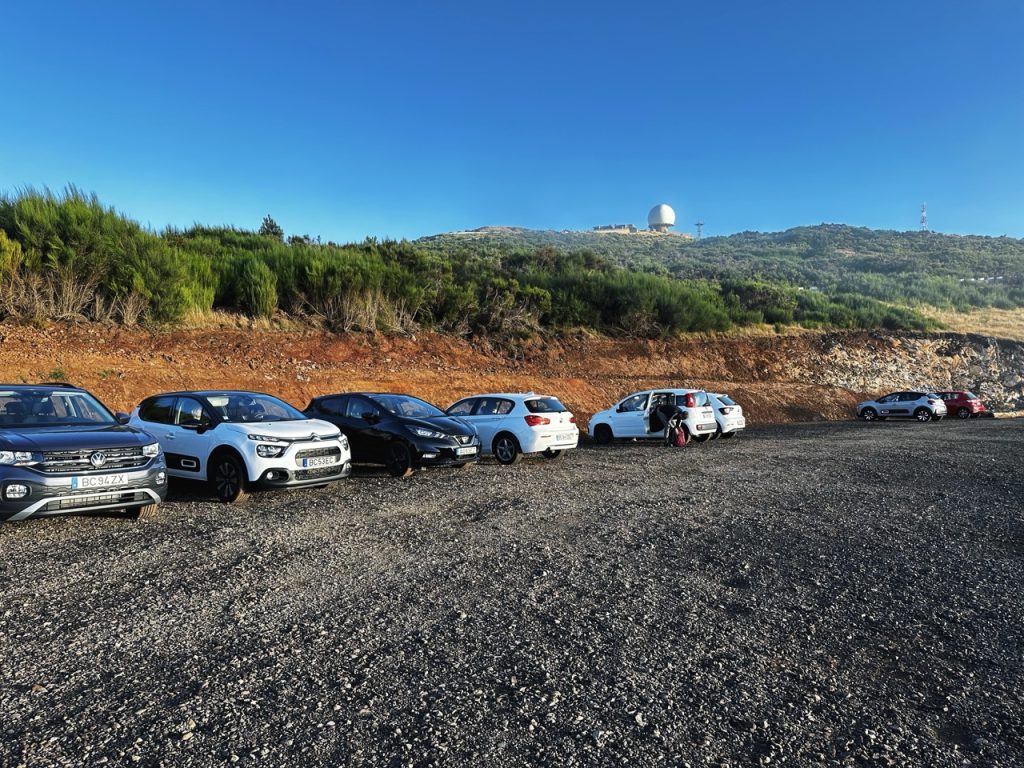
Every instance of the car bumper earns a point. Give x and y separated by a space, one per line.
562 440
284 477
430 453
733 425
701 429
55 495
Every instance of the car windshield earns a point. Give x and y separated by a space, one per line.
51 408
408 407
545 405
244 407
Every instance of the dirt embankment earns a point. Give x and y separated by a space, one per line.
800 377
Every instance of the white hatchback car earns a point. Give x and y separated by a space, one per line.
513 424
236 440
631 416
728 414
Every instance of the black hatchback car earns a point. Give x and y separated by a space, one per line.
399 431
62 451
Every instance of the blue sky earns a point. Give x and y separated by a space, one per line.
396 119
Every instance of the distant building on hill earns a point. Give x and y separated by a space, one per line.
627 229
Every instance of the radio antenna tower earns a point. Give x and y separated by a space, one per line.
924 217
700 229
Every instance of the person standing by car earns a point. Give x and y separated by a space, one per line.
666 413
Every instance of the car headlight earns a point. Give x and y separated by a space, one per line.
153 449
428 433
344 441
266 439
16 457
269 451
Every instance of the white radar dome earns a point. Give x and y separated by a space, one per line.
661 217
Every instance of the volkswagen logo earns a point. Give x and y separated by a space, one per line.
98 459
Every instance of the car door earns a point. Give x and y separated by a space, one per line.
464 410
656 399
630 416
888 405
362 421
491 416
191 436
156 416
907 403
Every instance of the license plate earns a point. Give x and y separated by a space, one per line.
319 461
564 437
469 451
99 481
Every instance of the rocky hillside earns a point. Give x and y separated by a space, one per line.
778 378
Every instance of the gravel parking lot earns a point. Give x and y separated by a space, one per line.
822 594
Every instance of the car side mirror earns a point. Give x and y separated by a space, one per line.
122 417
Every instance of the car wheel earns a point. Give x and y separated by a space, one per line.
869 414
701 438
727 435
923 415
506 449
227 476
963 413
552 454
399 460
148 512
718 433
603 434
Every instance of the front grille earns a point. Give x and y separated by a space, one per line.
310 474
86 500
79 460
313 452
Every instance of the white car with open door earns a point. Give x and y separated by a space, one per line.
240 440
631 416
728 414
511 425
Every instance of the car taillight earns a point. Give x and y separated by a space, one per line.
691 401
572 419
725 411
933 402
537 421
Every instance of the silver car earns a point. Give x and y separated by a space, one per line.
923 406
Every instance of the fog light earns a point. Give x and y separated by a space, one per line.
161 478
16 491
271 475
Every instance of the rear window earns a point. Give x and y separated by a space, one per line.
700 399
726 400
545 405
971 396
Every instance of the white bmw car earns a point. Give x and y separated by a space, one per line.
631 416
241 440
511 425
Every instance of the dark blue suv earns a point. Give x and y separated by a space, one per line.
62 451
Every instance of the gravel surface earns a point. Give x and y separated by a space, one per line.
824 594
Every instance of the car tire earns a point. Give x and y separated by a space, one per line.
869 414
728 435
963 413
506 449
148 512
923 415
552 454
603 434
700 438
228 479
718 433
399 460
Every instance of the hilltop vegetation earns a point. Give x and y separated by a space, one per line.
67 256
911 268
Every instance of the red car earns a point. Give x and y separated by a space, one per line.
962 404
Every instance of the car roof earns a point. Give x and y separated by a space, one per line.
209 392
511 395
43 385
670 390
367 394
